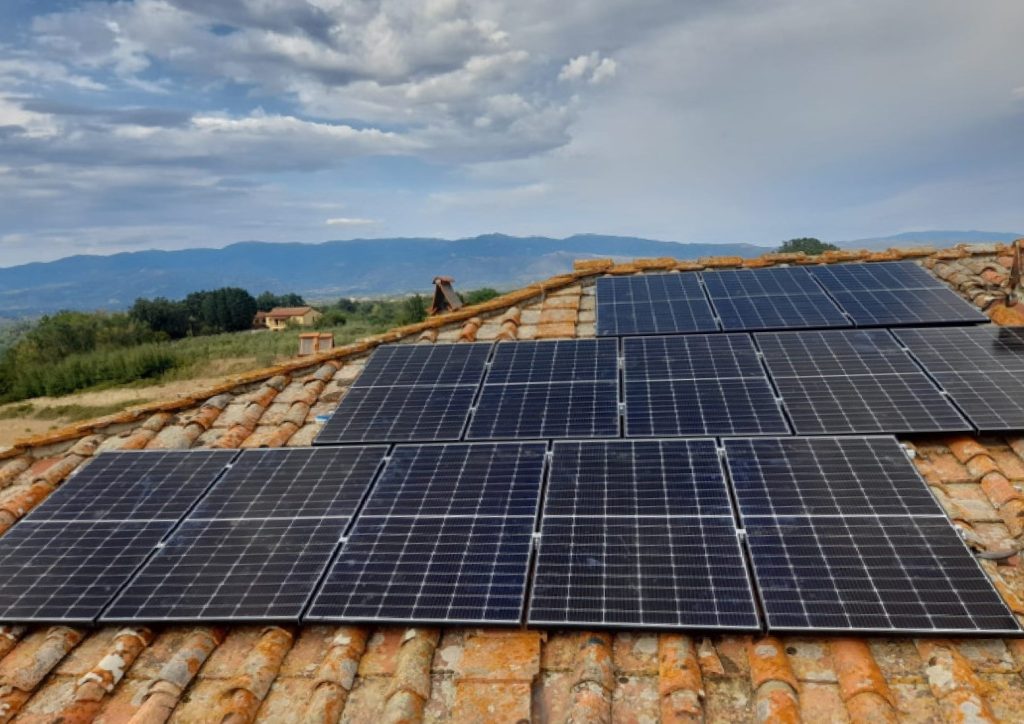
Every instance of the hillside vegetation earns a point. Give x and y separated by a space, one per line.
161 340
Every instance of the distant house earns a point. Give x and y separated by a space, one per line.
260 320
278 318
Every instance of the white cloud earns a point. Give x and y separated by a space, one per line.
349 221
592 67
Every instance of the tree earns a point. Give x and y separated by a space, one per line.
414 309
479 296
229 309
806 244
161 315
268 300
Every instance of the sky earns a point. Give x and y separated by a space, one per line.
179 123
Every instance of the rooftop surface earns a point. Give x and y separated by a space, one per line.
390 674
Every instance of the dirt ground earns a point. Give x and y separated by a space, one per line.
16 428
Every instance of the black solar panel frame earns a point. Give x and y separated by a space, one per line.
376 522
549 361
211 535
892 275
418 365
856 381
908 307
684 374
983 348
673 316
108 571
666 526
546 411
788 536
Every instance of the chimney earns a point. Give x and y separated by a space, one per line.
445 298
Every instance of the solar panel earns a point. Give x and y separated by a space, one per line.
675 316
854 381
648 287
878 308
430 365
65 560
569 360
409 392
642 572
876 275
640 533
261 569
698 385
399 414
445 538
845 536
826 476
636 477
771 281
652 304
985 348
134 485
885 574
257 545
66 572
550 389
806 311
981 368
293 482
468 479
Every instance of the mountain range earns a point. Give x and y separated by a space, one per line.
360 267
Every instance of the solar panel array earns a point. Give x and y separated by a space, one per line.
854 381
772 298
893 293
841 532
257 545
981 368
775 298
410 392
652 304
640 533
550 389
842 537
698 385
65 560
445 537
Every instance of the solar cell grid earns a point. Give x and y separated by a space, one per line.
399 414
67 572
288 482
445 536
866 574
134 485
430 365
557 410
984 348
895 275
648 287
231 570
571 360
429 569
636 477
712 356
728 406
772 281
779 312
642 572
881 308
838 352
826 476
993 401
854 381
466 479
674 316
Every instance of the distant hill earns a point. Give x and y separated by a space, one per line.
938 239
360 267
